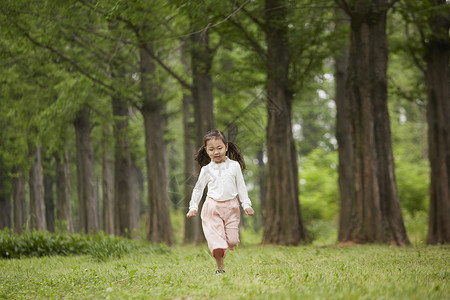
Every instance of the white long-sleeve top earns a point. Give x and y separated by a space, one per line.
224 180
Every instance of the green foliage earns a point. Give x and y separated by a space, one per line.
416 226
409 139
100 247
413 185
103 247
38 243
319 190
322 232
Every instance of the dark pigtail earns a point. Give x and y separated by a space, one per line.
202 158
235 154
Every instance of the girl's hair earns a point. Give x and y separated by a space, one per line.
233 152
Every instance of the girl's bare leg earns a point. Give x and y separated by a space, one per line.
219 255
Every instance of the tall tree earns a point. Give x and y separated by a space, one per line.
201 90
159 227
19 204
87 208
282 205
125 202
202 93
125 205
192 226
5 199
437 73
48 194
35 181
63 198
201 63
107 181
375 207
343 131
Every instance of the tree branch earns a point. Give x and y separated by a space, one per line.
168 69
223 20
253 18
65 58
143 45
344 6
416 60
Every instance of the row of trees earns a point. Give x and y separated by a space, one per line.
83 80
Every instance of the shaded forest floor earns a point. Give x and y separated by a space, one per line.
262 272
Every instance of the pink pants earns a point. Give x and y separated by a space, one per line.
220 222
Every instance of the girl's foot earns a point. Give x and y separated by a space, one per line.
219 272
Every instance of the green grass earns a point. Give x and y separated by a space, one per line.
262 272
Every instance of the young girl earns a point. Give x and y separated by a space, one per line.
221 164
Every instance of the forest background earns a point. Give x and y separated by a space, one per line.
103 104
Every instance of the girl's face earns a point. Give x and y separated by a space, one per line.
216 150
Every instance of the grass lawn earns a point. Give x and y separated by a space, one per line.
262 272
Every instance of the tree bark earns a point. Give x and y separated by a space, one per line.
231 134
5 200
262 182
174 194
124 197
48 196
201 63
344 139
159 227
107 182
63 198
202 92
20 206
35 181
192 226
87 208
5 209
438 117
282 207
375 215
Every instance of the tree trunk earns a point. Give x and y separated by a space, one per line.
87 208
20 206
231 134
375 214
5 200
202 93
48 196
282 207
192 226
63 197
137 179
124 197
5 208
159 227
344 139
35 181
174 195
201 62
262 182
107 182
438 116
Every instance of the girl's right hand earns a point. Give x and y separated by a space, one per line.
191 213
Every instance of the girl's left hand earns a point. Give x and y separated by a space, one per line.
249 211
